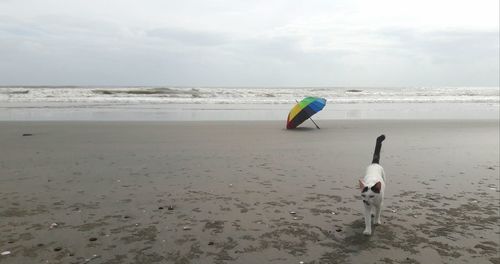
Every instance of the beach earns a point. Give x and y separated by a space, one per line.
249 132
247 192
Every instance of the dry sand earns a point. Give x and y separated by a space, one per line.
96 192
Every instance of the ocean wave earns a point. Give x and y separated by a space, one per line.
230 95
14 92
147 91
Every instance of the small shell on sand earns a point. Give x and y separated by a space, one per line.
93 257
186 228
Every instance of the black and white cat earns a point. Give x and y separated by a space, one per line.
372 188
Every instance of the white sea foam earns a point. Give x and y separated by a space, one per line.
212 95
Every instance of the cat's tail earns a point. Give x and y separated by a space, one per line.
378 146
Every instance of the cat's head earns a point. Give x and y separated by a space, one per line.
369 193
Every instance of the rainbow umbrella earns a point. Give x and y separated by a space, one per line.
304 110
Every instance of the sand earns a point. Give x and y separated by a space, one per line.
246 192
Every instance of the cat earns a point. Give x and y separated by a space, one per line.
372 189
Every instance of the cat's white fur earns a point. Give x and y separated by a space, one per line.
374 179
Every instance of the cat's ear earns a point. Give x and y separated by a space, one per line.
361 184
376 188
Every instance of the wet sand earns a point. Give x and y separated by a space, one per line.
224 192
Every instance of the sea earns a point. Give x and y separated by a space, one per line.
166 103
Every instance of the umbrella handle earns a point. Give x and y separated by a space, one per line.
314 123
310 117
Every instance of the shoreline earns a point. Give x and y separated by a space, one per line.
108 187
235 112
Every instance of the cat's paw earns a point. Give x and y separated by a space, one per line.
378 222
367 232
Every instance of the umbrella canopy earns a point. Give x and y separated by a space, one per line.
304 110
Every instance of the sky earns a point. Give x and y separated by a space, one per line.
250 43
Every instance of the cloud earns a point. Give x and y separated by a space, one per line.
189 37
219 42
448 46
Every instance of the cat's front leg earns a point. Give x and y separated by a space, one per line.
368 220
378 210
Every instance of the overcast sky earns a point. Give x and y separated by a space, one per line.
250 43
